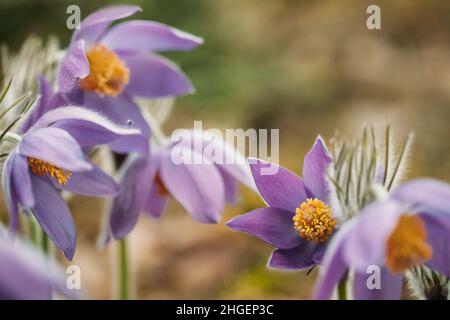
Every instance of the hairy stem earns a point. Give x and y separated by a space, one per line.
12 137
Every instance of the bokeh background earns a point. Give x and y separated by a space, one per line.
305 67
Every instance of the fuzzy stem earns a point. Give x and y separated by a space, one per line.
387 151
157 134
12 137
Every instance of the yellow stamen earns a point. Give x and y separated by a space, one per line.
40 167
313 220
407 245
108 73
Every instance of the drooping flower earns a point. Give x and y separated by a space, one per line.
28 275
180 169
409 228
48 157
300 217
105 67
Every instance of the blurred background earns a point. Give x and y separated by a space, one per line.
305 67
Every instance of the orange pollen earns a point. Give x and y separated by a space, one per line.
313 220
407 245
40 167
108 73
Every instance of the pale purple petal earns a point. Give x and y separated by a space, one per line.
152 76
55 146
320 251
442 219
22 182
122 110
297 258
94 182
284 189
315 166
230 185
367 244
74 97
438 238
94 25
197 187
334 263
18 279
147 36
136 179
42 106
272 225
390 286
156 203
29 275
58 100
215 150
432 197
53 215
9 192
73 67
88 127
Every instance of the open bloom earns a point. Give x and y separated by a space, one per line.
410 228
48 158
180 169
301 216
105 67
28 275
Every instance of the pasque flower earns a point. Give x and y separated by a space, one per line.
300 217
28 275
409 228
48 157
105 67
199 182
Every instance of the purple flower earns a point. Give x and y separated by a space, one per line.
48 100
181 170
27 275
48 158
409 228
105 66
300 217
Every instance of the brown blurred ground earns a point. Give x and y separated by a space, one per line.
306 67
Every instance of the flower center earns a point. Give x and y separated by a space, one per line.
313 220
407 245
108 74
40 167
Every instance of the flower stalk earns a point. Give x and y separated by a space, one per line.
158 137
123 278
45 245
342 288
32 230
